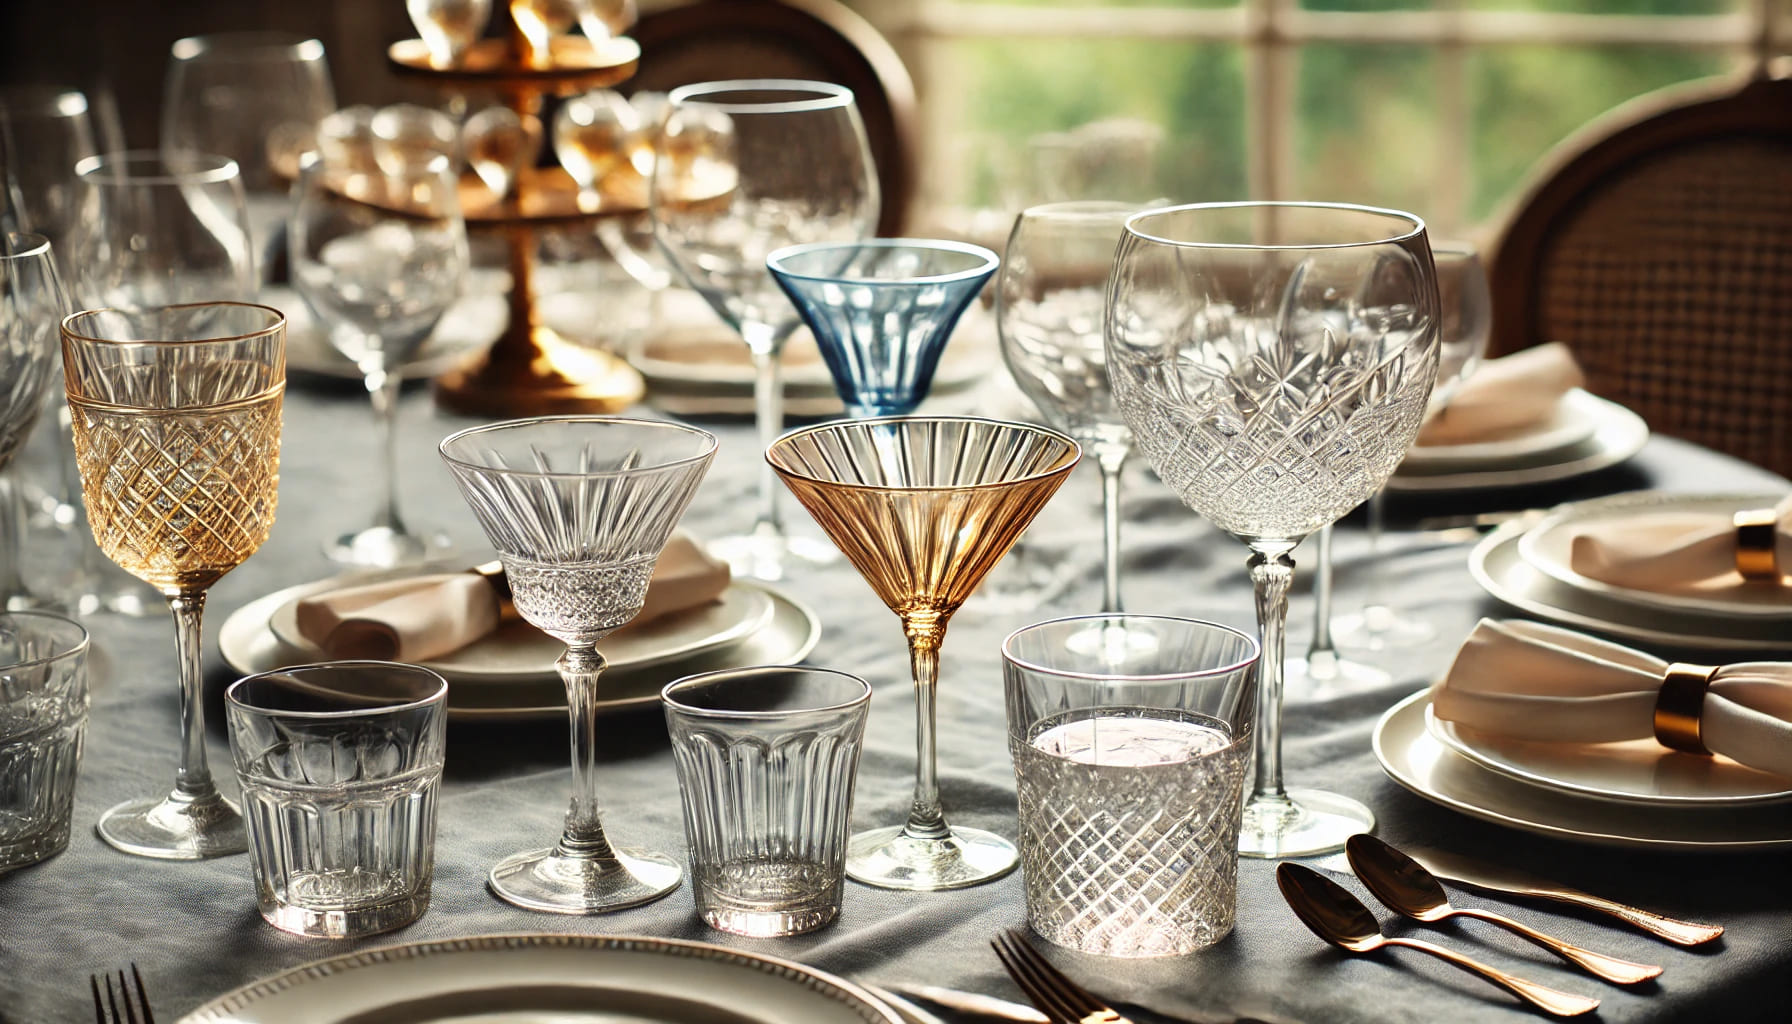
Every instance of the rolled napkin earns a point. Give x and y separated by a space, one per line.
1506 396
1541 683
423 617
1687 552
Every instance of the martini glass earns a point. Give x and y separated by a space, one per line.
579 508
923 507
881 311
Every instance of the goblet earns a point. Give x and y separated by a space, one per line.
923 507
1274 361
881 311
32 304
579 508
449 27
177 431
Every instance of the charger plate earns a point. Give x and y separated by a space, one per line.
1618 434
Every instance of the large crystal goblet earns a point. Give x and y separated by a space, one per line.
32 304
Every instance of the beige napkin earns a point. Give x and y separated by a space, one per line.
423 617
1529 681
1506 396
1671 551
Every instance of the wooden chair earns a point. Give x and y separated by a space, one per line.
1658 246
814 39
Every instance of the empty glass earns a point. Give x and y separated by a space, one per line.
43 717
32 304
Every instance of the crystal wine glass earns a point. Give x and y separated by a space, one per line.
923 507
579 508
449 27
177 431
32 304
1274 361
743 168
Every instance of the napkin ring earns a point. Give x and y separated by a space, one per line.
1756 531
1680 704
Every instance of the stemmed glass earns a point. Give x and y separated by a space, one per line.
32 303
579 509
742 168
1274 361
379 257
177 431
923 507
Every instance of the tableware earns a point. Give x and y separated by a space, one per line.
448 27
1406 888
579 508
32 303
1339 918
1567 428
575 979
406 138
340 794
601 19
499 145
128 1003
474 321
1274 361
1129 736
1063 1000
598 134
764 867
909 1012
1617 435
177 429
43 719
799 167
923 507
972 1004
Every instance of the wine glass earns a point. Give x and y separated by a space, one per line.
579 508
499 147
923 507
32 304
404 135
449 27
177 431
742 168
1274 361
596 135
379 258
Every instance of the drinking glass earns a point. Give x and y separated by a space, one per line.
881 311
379 257
405 136
1274 361
579 508
449 27
340 764
43 718
1129 762
32 303
742 168
923 507
177 431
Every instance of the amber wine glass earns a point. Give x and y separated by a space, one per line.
177 432
924 507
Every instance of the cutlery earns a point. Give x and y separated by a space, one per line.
1063 1001
1339 918
971 1003
904 1009
1410 891
128 1003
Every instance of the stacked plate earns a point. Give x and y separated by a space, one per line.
1586 434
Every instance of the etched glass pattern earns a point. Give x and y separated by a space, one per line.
43 718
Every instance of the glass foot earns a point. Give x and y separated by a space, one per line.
176 827
1323 675
889 859
381 547
1380 628
1303 823
766 553
552 882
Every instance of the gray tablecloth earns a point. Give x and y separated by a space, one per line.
193 929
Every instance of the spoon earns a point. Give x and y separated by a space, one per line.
1411 891
1341 919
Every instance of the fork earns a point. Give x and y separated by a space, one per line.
1056 996
128 1003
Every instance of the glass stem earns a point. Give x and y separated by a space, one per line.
194 780
1378 511
1271 573
12 537
768 416
1111 465
926 818
383 387
1322 596
584 835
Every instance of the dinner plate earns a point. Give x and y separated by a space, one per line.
1548 546
1618 434
548 979
1416 760
1569 425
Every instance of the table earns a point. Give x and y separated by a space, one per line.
193 929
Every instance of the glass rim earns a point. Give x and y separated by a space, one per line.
691 710
437 696
70 333
1417 225
1009 657
79 647
245 45
989 260
43 99
1084 209
209 168
34 246
486 428
822 95
1076 452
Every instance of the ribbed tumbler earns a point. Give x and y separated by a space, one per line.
43 716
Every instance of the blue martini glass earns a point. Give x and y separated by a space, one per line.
881 311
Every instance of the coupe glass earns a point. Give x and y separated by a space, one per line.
743 168
379 257
578 509
923 507
177 431
1274 361
881 311
32 303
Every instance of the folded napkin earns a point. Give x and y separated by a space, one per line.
1506 396
1688 552
423 617
1529 681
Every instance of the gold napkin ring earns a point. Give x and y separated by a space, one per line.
492 572
1755 543
1680 704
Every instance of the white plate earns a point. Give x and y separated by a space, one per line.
548 979
1618 435
1415 759
1569 425
1548 545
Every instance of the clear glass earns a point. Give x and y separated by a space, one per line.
1274 361
881 311
165 400
32 304
767 867
405 138
449 27
579 508
1129 760
740 169
379 257
499 145
924 507
43 719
